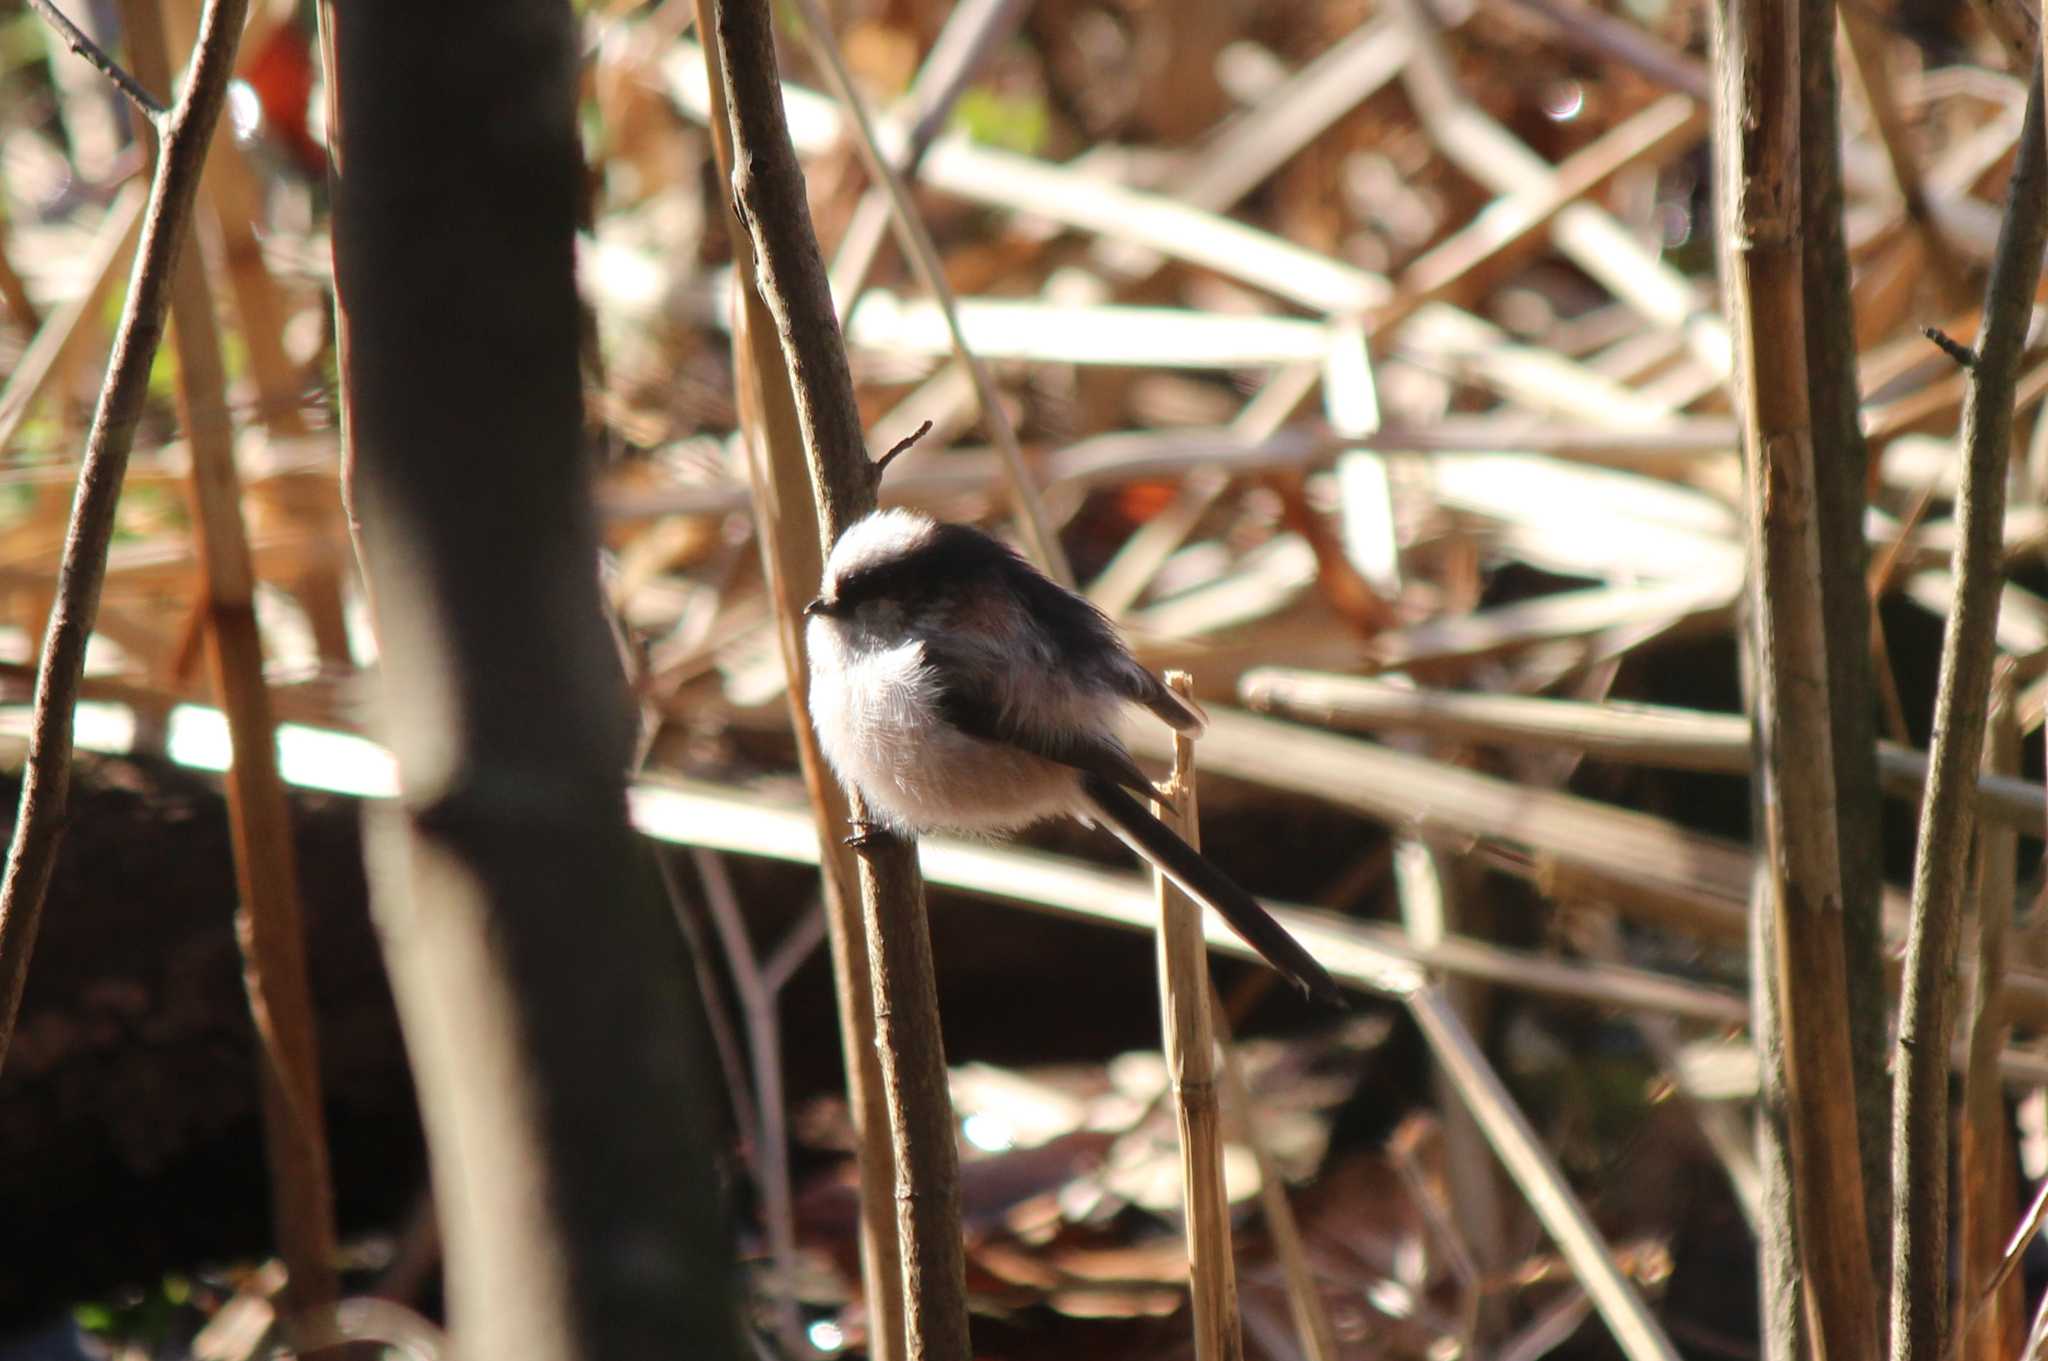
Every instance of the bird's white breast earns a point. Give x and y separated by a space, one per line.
875 705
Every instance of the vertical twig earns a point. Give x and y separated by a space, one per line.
268 921
1190 1050
46 775
1854 645
1984 1164
1317 1336
764 1042
768 196
1760 203
790 535
1920 1111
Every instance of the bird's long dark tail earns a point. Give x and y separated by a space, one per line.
1193 873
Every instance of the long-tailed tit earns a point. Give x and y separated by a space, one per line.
960 689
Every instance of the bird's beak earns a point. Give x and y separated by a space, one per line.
818 606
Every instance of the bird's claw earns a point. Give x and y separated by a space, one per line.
866 836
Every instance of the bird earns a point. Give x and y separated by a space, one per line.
960 689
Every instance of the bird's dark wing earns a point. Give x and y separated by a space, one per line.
976 714
1200 879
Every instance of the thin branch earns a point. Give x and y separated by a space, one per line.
46 777
1920 1114
79 41
902 446
1964 356
790 535
769 198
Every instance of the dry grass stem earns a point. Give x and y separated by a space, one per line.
1189 1042
1803 940
1635 1330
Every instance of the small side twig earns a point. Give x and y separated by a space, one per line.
1964 356
46 776
79 41
901 446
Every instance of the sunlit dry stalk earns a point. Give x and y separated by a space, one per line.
923 255
1760 210
1190 1050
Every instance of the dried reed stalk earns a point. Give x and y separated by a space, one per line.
1312 1324
269 925
1635 1330
1189 1043
63 333
1646 734
1760 226
923 255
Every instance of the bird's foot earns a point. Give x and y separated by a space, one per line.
868 836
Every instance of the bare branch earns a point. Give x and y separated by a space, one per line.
79 41
46 777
